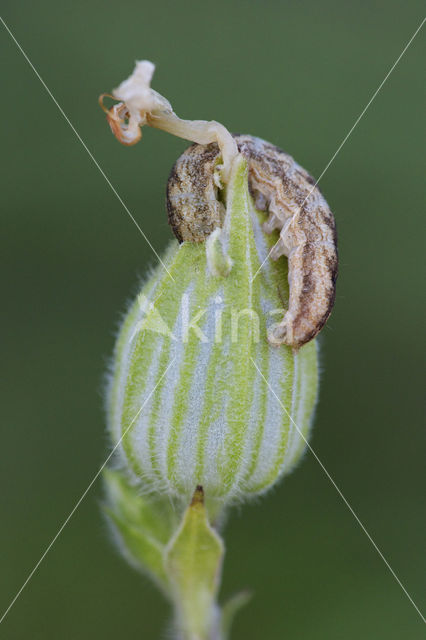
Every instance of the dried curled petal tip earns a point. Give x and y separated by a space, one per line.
118 117
140 105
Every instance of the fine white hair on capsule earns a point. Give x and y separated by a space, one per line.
212 419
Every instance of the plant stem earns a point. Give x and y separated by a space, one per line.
187 630
193 563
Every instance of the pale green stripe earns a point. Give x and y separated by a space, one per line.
120 369
297 398
168 307
157 407
213 400
273 289
204 288
263 362
143 354
113 392
309 374
286 383
238 295
261 352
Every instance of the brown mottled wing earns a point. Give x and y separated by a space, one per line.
307 237
193 207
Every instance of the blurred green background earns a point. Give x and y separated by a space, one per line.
297 74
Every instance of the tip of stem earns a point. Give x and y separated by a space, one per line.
198 497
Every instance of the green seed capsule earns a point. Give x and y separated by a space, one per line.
198 395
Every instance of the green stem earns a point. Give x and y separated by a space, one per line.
189 629
193 562
182 556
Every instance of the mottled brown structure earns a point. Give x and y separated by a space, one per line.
193 205
296 209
